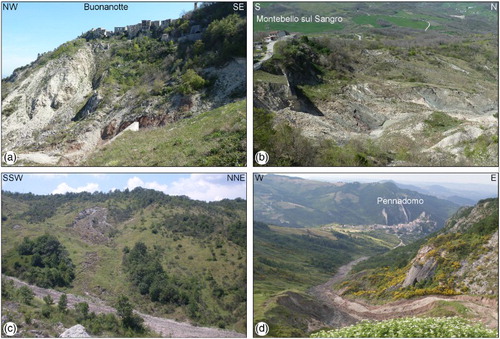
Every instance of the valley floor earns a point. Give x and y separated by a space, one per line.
165 327
481 309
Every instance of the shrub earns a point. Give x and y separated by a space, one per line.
25 294
191 82
48 300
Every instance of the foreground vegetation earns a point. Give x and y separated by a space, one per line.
44 262
34 315
454 327
324 70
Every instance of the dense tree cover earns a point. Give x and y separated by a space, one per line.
193 293
123 204
43 261
147 274
227 37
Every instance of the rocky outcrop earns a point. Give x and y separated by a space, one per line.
47 97
281 96
422 267
480 276
370 107
77 331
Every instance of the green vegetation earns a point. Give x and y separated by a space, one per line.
7 110
191 82
149 79
126 312
197 249
46 318
440 122
214 138
311 28
411 328
227 37
379 21
147 274
67 49
43 261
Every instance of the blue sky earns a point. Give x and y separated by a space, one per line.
37 27
207 187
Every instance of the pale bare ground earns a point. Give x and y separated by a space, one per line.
164 327
39 158
481 309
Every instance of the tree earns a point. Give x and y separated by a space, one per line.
83 310
63 303
25 294
125 311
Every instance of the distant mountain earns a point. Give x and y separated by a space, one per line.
296 202
461 195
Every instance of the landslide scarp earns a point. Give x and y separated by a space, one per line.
384 101
70 102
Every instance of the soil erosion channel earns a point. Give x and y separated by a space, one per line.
482 309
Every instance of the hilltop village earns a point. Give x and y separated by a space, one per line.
178 30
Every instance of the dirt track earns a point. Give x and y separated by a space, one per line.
482 309
162 326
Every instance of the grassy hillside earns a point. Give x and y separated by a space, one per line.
214 138
200 247
289 261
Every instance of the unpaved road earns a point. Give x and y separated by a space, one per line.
164 327
482 309
270 51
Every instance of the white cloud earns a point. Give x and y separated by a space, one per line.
197 186
137 182
63 188
208 187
